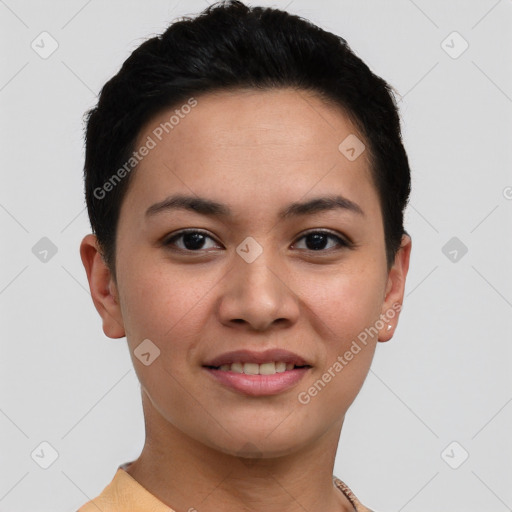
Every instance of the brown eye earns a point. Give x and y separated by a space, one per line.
192 240
317 240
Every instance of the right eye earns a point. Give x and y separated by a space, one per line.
193 240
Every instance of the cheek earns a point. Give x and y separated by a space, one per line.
347 302
169 306
346 308
157 301
163 307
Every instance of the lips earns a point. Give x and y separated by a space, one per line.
248 356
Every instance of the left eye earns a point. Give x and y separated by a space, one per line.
194 240
317 240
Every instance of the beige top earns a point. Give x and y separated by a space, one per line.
125 494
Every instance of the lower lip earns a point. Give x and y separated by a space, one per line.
259 385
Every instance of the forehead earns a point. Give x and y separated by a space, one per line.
252 119
250 145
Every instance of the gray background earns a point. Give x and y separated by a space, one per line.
444 377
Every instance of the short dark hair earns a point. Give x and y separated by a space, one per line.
231 46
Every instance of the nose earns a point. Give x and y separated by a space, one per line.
257 295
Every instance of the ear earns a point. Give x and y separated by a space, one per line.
103 288
395 289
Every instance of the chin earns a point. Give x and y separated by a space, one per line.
257 445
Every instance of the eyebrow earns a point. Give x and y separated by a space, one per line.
212 208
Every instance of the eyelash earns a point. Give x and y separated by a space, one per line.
341 242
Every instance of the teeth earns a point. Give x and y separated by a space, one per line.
267 369
237 367
281 367
252 368
258 369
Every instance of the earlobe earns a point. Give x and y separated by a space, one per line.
103 288
395 288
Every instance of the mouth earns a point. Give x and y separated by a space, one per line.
258 380
256 373
268 368
241 360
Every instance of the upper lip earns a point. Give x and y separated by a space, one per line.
248 356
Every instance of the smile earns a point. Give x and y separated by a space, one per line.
269 368
258 379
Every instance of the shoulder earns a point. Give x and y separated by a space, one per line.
113 497
124 494
105 501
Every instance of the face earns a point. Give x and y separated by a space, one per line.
313 282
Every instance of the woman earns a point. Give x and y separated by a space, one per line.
246 182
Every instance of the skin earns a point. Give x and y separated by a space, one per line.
256 151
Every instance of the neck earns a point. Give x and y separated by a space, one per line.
185 474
